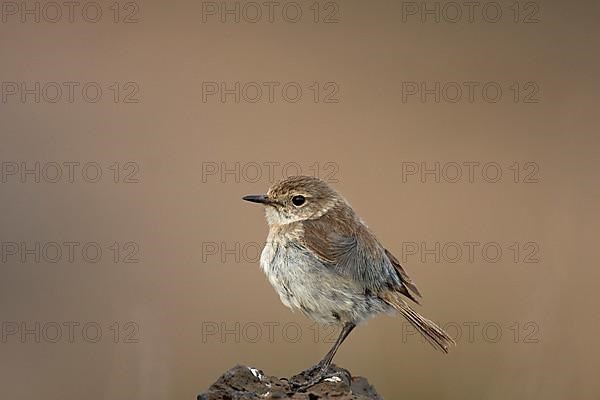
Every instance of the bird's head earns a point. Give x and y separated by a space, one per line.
296 198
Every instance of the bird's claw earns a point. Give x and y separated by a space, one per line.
313 379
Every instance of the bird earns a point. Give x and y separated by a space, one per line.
323 260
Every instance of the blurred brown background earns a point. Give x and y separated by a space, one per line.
103 326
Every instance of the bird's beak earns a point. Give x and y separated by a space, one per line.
257 198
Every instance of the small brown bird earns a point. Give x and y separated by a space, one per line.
323 260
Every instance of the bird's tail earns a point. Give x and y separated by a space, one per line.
430 331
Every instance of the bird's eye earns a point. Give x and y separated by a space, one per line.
298 200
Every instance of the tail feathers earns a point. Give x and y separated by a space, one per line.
430 331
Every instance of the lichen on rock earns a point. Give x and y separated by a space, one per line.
249 383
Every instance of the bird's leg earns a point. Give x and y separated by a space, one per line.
326 361
323 365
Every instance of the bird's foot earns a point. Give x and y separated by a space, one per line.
313 376
303 384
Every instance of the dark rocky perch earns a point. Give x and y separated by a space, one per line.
247 383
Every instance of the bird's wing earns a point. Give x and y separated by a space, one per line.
403 275
351 250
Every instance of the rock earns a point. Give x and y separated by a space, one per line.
248 383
